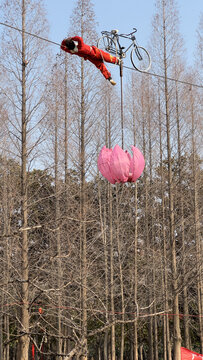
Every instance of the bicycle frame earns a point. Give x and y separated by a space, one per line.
115 37
110 42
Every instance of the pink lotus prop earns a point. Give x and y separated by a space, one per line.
118 166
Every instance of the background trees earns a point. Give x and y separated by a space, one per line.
107 271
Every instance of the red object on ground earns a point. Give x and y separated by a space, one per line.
190 355
33 352
40 310
91 53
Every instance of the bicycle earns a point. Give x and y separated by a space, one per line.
139 56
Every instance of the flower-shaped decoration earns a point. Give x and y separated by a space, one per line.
117 165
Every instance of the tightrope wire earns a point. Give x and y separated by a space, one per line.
127 67
28 33
163 77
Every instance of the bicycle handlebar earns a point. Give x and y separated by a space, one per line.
130 34
127 36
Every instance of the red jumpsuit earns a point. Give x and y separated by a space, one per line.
91 53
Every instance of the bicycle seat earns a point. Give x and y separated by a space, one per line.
114 31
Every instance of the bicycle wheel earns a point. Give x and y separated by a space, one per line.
106 43
140 59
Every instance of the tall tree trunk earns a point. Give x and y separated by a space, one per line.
6 233
198 242
83 217
58 235
24 339
156 353
66 129
122 336
180 196
135 342
167 345
176 324
6 316
112 348
110 213
113 338
151 230
103 221
103 218
67 343
146 226
1 328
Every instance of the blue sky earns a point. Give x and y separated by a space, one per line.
124 15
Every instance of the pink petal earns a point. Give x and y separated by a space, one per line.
137 164
104 164
127 153
119 164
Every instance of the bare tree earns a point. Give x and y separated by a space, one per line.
197 220
164 21
167 342
15 68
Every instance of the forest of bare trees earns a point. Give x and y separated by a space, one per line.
90 270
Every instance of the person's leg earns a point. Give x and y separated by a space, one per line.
102 67
102 55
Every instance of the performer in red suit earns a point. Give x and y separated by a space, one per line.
75 45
